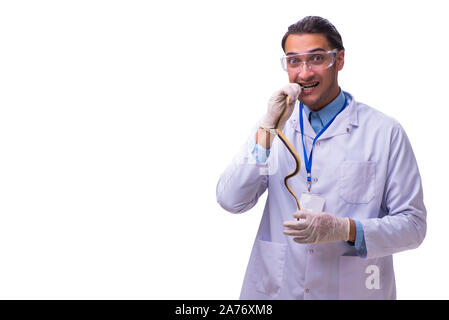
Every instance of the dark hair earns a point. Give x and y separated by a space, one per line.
314 24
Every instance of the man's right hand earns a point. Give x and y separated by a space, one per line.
277 103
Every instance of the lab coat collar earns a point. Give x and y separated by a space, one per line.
341 125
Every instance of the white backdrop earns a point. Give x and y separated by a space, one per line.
117 118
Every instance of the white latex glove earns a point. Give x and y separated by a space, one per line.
317 227
276 105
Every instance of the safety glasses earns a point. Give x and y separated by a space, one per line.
315 61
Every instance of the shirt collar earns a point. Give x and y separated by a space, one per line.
328 112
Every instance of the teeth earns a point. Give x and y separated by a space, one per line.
309 85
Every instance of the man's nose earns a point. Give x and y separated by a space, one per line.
305 71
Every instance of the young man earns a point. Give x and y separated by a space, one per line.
361 201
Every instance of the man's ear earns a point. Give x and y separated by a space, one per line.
340 60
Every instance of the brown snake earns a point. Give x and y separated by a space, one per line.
292 150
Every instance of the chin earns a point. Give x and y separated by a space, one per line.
313 101
308 101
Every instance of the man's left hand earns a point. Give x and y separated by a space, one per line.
317 227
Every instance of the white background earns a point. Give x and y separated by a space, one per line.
117 118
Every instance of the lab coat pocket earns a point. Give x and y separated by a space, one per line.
366 279
357 181
269 267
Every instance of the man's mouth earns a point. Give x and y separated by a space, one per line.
307 88
309 85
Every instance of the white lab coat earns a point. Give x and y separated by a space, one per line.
364 166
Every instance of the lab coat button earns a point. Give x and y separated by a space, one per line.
315 179
310 251
307 290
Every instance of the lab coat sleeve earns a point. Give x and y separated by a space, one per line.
404 225
244 180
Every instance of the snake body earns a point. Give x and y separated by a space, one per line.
292 151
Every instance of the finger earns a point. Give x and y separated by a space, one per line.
302 240
295 224
281 95
295 233
296 92
290 232
301 214
292 90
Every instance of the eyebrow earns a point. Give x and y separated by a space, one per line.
310 51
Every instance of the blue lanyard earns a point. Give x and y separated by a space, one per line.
308 160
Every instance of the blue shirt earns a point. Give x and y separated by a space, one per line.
318 120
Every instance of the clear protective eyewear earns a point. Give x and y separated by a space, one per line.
315 61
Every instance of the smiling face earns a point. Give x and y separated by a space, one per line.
327 89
